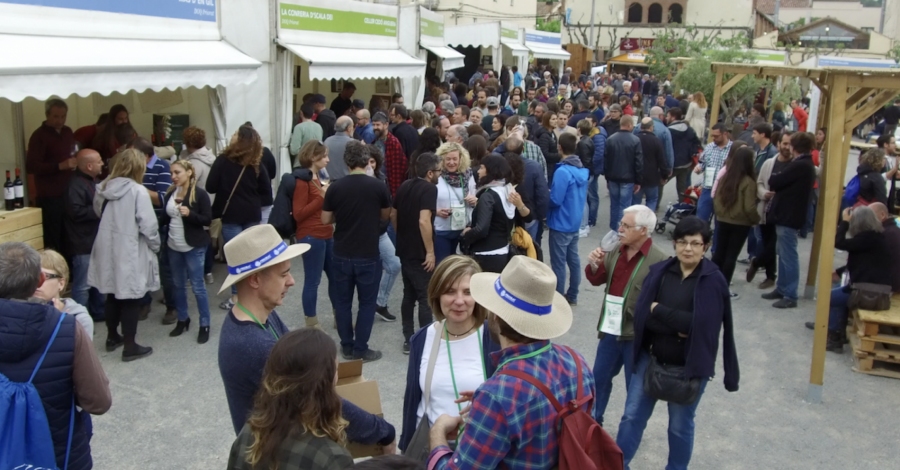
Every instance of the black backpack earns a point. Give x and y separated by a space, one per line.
282 215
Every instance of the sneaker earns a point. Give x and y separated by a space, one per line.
313 322
210 279
810 324
406 347
744 261
227 305
368 356
734 295
347 352
384 314
584 232
785 303
767 284
774 295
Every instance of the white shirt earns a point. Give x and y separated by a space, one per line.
444 198
177 241
467 368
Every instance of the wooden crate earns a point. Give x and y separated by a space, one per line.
23 225
875 339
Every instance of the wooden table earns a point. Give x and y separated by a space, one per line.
22 225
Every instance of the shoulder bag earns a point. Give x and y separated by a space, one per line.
419 446
215 228
868 296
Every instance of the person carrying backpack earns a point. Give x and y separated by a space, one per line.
515 421
47 362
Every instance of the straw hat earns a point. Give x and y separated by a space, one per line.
255 249
524 296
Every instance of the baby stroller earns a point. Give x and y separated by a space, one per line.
679 210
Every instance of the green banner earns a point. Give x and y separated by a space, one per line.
509 33
432 28
306 18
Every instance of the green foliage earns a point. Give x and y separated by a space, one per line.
790 90
551 26
686 42
894 53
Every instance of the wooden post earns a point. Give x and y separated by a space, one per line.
716 102
813 269
830 196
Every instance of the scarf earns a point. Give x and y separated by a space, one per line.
456 178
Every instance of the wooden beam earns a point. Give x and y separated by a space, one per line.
855 117
884 81
813 268
732 82
858 97
820 84
716 102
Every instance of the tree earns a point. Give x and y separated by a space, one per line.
551 26
688 41
697 75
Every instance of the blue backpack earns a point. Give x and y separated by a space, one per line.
25 440
851 193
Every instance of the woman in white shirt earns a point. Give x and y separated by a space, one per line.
455 199
696 115
458 345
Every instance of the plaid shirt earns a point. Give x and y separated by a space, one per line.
512 424
396 166
533 152
295 451
713 157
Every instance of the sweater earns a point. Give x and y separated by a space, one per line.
743 211
685 143
868 256
251 193
307 210
793 190
47 148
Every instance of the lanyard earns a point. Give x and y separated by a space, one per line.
270 329
526 356
450 358
630 280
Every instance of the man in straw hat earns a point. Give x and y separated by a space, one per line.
525 312
261 270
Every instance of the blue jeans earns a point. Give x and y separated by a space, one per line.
85 295
788 262
652 195
593 200
165 271
639 408
837 309
189 265
612 354
363 276
563 251
754 242
620 195
316 261
705 205
391 265
445 244
229 231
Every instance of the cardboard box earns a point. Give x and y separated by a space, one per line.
353 387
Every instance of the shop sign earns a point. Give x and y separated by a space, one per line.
309 18
432 28
509 33
197 10
634 44
534 37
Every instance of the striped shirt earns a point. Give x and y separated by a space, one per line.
158 177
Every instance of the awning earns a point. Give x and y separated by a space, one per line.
452 59
43 66
326 63
517 48
549 52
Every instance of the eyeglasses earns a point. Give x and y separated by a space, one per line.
627 227
49 276
694 245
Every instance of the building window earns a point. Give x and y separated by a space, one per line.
635 13
676 12
654 13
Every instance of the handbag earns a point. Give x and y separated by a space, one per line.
668 383
868 296
419 446
215 227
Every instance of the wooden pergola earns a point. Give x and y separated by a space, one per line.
849 96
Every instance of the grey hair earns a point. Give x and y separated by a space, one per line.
54 103
428 108
643 217
343 124
862 220
447 106
461 132
20 270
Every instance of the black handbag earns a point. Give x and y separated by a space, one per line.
668 383
868 296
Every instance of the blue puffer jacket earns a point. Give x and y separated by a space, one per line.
568 195
599 151
25 329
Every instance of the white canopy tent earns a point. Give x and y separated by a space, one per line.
494 36
326 63
544 45
431 38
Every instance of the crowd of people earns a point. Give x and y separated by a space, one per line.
454 198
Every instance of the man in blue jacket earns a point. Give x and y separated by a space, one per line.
568 195
599 138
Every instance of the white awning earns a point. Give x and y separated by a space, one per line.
518 50
326 63
472 35
549 52
43 66
452 59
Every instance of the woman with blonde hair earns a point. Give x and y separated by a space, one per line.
696 114
455 199
456 349
296 419
124 264
56 277
187 210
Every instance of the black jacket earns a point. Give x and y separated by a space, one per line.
624 161
81 222
490 226
252 192
793 190
199 217
408 137
326 119
585 151
532 124
892 237
868 256
611 126
282 217
872 185
685 143
654 160
546 140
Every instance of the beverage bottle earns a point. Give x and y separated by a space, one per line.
9 194
19 189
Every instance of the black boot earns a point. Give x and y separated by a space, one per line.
834 344
114 342
134 351
203 336
181 327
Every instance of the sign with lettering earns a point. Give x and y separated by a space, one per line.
309 18
198 10
432 28
509 33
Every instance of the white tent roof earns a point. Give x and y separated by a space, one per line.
326 63
549 52
452 59
43 66
518 50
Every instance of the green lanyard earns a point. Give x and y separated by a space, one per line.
270 329
450 358
630 281
526 356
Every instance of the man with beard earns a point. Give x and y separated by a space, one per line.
395 161
402 130
480 102
611 122
325 117
766 259
442 124
513 108
524 106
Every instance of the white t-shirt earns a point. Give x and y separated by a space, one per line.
467 368
177 241
445 198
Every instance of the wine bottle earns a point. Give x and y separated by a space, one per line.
9 194
19 188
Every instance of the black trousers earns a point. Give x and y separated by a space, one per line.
126 312
415 289
53 211
768 258
492 263
730 239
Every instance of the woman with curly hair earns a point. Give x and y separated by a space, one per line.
242 187
455 199
296 419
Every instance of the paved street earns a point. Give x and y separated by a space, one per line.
169 410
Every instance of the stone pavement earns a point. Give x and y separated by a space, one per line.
169 410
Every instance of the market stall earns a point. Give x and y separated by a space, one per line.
491 45
629 60
431 38
545 46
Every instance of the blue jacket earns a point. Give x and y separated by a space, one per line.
672 102
365 133
712 312
573 121
534 188
661 131
568 195
599 150
413 395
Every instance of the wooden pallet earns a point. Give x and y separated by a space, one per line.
883 360
22 225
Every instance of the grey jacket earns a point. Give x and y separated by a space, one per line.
202 160
123 260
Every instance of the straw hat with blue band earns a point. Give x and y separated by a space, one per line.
255 249
524 296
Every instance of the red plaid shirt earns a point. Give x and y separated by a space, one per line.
396 166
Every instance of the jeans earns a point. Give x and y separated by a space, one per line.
445 244
415 289
682 180
612 354
705 205
229 231
620 195
85 295
188 265
649 102
165 271
811 214
593 200
837 309
563 251
731 239
652 195
788 262
362 275
316 261
639 408
391 265
754 241
532 229
210 259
